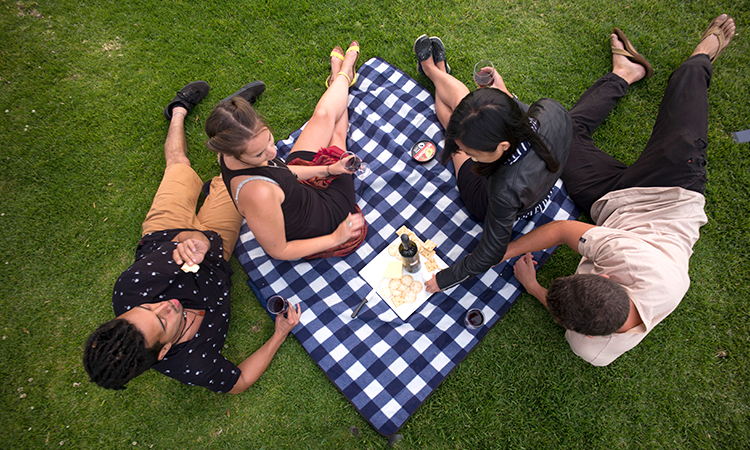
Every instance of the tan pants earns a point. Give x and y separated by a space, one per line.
177 199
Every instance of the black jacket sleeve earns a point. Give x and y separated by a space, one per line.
514 190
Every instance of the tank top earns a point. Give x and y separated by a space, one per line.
308 212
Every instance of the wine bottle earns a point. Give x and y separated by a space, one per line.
409 254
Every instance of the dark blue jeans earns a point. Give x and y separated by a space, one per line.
675 154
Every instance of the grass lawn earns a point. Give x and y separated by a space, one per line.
82 88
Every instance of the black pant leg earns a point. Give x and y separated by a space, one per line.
675 154
589 172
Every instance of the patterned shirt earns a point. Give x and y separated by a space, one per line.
155 277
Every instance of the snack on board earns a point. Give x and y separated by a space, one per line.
402 290
394 269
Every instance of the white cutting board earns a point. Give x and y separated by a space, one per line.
373 273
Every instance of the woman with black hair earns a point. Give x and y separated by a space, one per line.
507 156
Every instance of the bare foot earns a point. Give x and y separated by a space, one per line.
710 45
622 66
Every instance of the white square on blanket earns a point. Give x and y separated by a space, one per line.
445 323
374 389
339 352
416 385
440 361
322 334
391 408
355 370
363 332
422 344
380 348
398 366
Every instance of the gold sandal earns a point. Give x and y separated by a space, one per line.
352 48
335 53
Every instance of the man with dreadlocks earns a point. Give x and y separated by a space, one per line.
172 304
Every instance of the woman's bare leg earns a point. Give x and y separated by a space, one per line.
328 124
449 91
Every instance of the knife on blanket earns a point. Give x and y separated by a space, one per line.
365 300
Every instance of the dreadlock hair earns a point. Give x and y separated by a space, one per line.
588 304
485 118
116 353
230 125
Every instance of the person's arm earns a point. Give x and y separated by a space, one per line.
566 232
526 274
307 172
260 204
257 363
498 226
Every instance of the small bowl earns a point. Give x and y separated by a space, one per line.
423 151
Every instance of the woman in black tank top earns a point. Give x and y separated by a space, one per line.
289 219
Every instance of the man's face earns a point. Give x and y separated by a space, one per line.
160 323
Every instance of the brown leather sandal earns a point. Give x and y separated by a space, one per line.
718 29
631 53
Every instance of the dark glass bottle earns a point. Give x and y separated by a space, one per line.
409 254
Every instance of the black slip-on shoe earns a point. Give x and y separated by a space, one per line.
438 52
423 50
250 92
189 96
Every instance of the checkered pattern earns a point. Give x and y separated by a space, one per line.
385 366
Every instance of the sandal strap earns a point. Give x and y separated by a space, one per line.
347 77
353 48
719 35
621 51
335 54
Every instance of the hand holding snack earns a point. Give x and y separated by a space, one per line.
192 247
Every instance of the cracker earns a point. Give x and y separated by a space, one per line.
186 268
431 265
410 297
406 280
415 287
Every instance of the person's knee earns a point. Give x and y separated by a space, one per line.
324 113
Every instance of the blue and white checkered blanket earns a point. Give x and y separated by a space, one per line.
385 366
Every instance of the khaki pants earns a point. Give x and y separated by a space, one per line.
177 198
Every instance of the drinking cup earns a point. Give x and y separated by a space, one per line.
277 304
474 319
483 72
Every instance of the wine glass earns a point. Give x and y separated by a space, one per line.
277 305
354 163
474 319
482 76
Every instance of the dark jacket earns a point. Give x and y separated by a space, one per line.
515 190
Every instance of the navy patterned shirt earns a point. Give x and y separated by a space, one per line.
155 277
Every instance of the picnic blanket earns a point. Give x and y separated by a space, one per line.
385 366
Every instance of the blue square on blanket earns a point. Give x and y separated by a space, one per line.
385 366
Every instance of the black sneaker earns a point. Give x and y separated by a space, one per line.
250 91
438 52
189 96
423 50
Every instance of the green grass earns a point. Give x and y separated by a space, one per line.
82 88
